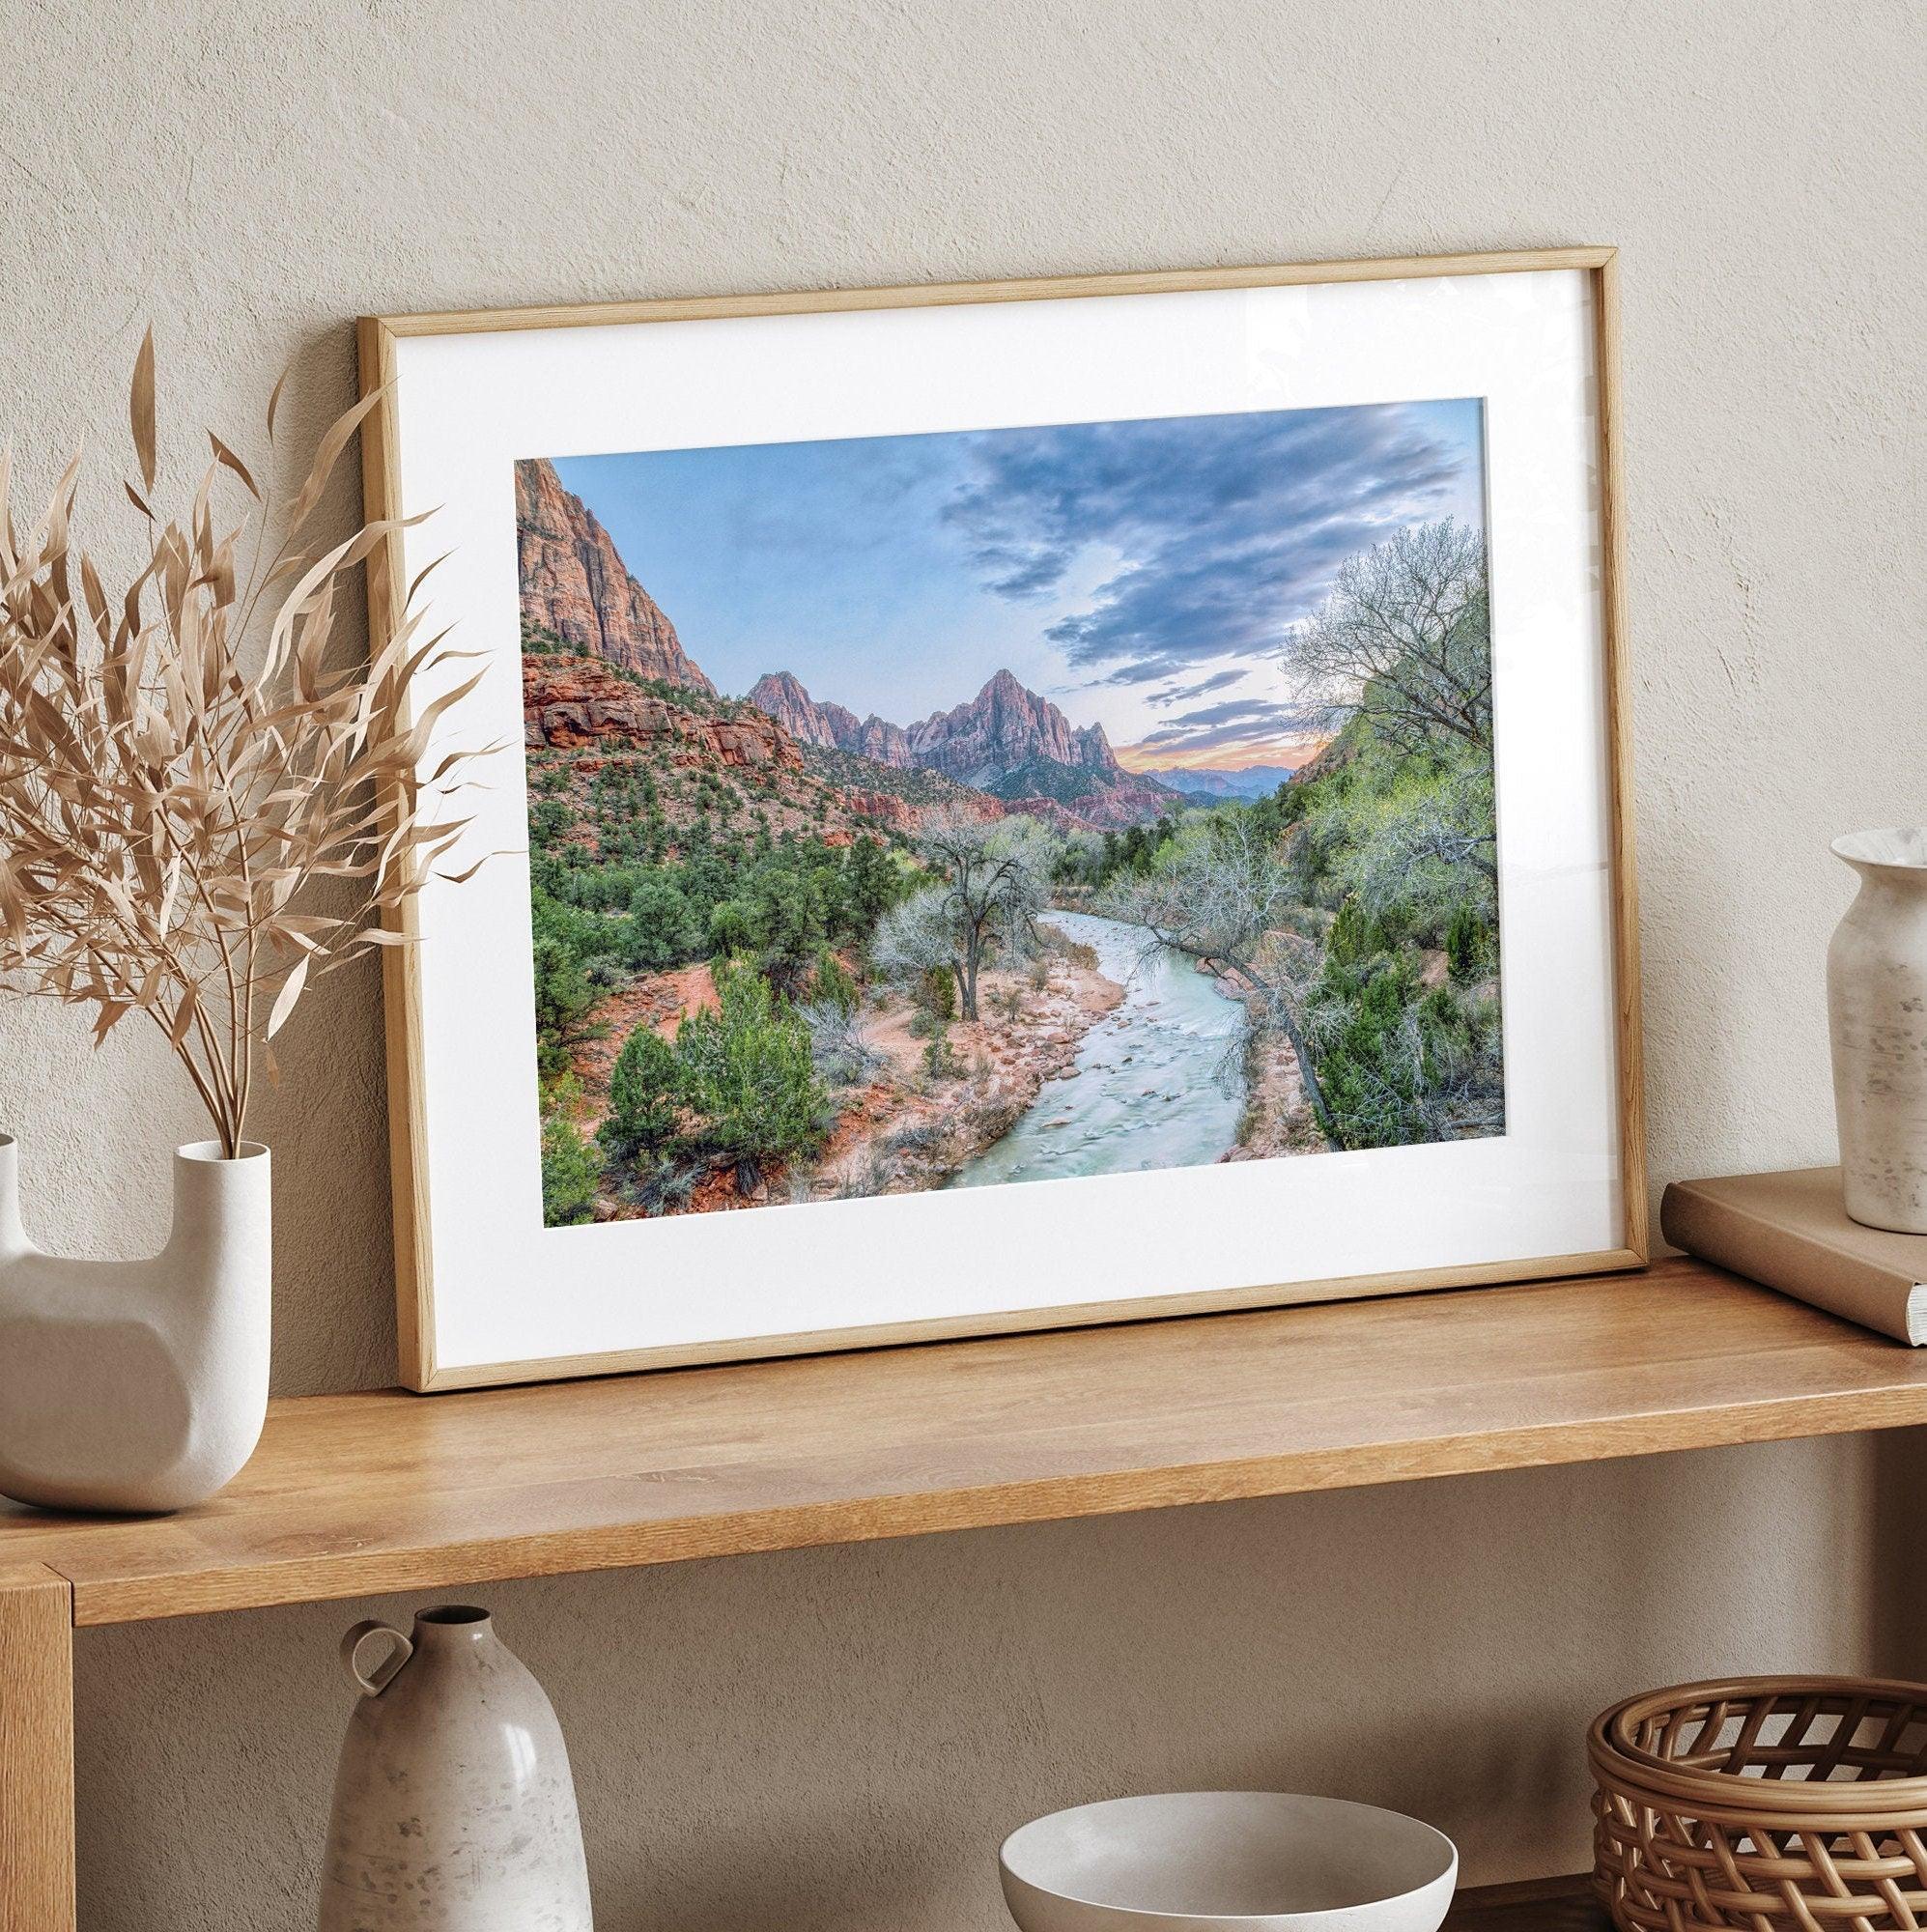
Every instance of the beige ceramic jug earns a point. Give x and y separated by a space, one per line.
1877 1005
454 1810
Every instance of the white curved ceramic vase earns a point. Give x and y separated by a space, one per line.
454 1809
138 1385
1876 1011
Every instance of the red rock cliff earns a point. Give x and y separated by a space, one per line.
573 583
569 702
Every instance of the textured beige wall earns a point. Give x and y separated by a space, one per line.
838 1737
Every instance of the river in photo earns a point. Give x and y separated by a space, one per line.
1157 1082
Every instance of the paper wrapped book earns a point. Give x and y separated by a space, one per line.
1791 1231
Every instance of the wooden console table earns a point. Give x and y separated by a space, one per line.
353 1494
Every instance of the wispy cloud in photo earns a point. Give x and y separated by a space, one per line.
1127 568
1217 728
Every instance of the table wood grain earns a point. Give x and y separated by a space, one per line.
37 1891
349 1494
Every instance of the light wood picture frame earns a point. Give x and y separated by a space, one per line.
485 1298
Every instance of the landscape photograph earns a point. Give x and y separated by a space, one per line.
1007 805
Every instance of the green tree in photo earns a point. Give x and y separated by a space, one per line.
1354 936
1410 834
663 930
873 884
563 995
570 1171
550 821
645 1092
732 929
934 994
940 1059
1467 954
833 984
747 1076
1403 1063
786 926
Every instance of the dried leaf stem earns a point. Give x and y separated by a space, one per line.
162 810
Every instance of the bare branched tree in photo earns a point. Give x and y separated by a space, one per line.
1403 640
992 882
1400 838
1322 912
841 1047
1431 852
162 808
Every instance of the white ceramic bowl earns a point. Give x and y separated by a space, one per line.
1227 1862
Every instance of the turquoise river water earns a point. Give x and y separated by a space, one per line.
1145 1089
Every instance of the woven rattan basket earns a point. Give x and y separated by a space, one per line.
1768 1804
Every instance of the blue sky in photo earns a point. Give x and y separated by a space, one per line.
1139 574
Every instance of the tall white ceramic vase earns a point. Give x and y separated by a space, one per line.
454 1809
1876 1007
138 1385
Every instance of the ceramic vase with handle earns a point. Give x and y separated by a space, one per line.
1876 1007
138 1385
454 1810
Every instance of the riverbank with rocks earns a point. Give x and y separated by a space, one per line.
908 1130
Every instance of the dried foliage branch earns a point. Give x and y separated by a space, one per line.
162 810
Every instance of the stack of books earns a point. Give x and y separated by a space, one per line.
1791 1231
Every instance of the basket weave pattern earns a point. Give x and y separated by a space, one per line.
1765 1804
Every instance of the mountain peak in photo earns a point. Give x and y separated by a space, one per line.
575 584
1006 741
833 726
1005 725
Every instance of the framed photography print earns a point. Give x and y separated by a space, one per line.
1015 805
